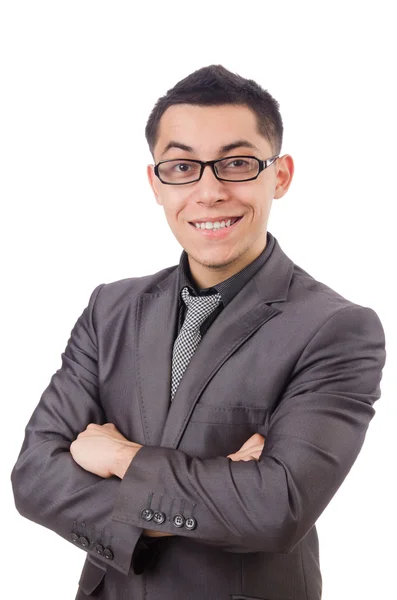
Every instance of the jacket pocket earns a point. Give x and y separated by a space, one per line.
229 415
91 576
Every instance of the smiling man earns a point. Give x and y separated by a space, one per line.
205 415
221 220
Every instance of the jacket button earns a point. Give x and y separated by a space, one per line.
147 514
108 553
84 541
178 521
191 523
99 549
74 537
159 517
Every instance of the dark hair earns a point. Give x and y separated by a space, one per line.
212 86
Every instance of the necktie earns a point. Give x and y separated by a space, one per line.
198 309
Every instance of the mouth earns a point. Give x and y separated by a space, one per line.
219 232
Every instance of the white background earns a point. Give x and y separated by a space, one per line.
78 81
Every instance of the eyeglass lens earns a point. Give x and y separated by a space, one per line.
237 168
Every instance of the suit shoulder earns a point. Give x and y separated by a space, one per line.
323 302
313 290
330 318
116 291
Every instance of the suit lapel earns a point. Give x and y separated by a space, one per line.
157 314
156 321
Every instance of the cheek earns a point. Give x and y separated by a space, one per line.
249 196
259 201
250 204
170 207
174 216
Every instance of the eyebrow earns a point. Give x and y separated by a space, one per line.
237 144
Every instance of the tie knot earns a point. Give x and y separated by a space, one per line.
199 307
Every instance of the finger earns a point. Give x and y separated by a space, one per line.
93 431
251 457
256 448
255 439
254 451
246 458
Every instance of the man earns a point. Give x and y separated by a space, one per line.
205 415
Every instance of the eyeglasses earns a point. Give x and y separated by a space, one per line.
179 171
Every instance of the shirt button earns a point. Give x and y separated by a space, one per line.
178 521
159 518
191 523
147 514
74 537
84 541
108 553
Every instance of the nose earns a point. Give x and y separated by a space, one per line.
208 172
209 188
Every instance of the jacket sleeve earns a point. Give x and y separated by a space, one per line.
49 487
314 435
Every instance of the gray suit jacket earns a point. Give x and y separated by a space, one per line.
288 357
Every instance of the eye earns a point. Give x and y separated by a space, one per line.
183 170
240 162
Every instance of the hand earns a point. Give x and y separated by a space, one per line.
251 450
154 534
103 450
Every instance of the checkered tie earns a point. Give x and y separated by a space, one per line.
198 309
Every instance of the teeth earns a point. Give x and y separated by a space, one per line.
216 225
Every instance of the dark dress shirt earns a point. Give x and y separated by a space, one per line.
227 288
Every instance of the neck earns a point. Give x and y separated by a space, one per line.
209 275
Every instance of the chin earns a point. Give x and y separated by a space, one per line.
213 258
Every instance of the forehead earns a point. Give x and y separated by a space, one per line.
207 128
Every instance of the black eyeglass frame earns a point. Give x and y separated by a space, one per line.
263 164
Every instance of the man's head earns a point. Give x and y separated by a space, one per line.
210 109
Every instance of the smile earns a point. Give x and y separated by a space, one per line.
218 231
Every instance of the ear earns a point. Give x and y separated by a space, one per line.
285 174
153 180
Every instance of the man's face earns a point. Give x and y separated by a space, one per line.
206 129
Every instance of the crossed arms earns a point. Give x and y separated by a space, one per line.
269 504
105 451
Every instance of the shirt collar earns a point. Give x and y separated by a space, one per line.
230 286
